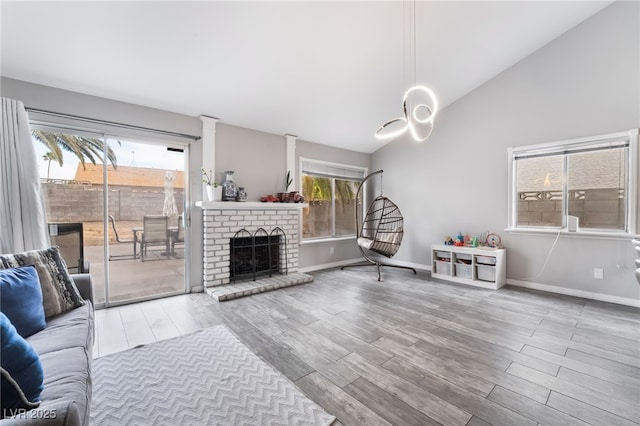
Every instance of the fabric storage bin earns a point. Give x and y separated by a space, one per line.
443 268
486 273
443 254
486 260
463 270
464 257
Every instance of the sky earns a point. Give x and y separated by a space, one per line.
127 154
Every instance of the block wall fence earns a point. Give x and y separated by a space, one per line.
595 208
73 202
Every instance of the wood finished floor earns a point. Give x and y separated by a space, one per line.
408 351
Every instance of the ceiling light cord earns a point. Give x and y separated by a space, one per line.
405 50
413 39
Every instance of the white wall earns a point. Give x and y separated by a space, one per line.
257 158
586 82
74 103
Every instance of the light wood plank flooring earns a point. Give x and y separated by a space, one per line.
408 351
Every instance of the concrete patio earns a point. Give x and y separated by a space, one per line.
131 278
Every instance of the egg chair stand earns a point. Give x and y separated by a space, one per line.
381 230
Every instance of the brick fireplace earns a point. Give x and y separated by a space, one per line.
223 220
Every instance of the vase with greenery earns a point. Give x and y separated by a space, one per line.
214 191
285 196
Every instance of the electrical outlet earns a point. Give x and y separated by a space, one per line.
598 273
331 250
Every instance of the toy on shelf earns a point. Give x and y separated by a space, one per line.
485 239
493 240
470 241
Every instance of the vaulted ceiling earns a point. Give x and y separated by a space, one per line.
329 72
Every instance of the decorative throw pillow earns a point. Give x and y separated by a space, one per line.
59 293
22 374
21 299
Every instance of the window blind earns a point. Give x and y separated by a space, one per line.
331 170
601 145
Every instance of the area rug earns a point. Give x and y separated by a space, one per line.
205 378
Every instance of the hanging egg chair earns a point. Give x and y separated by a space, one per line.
381 230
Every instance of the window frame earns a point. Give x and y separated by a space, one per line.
322 163
561 147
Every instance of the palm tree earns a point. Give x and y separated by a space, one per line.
346 190
83 147
49 156
316 188
319 189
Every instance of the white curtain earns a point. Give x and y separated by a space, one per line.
23 220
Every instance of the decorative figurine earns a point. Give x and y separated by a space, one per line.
242 194
448 241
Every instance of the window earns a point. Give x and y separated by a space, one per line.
330 189
593 179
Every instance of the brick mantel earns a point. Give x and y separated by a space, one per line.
249 205
222 219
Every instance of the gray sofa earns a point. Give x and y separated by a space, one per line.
65 347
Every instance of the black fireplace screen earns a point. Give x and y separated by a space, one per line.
258 254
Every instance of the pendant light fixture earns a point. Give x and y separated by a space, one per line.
419 104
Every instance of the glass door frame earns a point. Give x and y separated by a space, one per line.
185 147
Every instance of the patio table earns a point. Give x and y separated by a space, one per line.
135 231
173 236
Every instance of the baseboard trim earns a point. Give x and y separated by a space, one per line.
330 265
573 292
417 266
197 289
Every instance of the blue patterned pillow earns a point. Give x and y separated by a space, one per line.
22 373
59 293
21 299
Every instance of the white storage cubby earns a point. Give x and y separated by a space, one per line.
478 266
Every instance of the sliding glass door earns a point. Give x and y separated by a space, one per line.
146 193
127 211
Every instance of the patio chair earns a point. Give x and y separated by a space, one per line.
155 232
177 236
120 241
